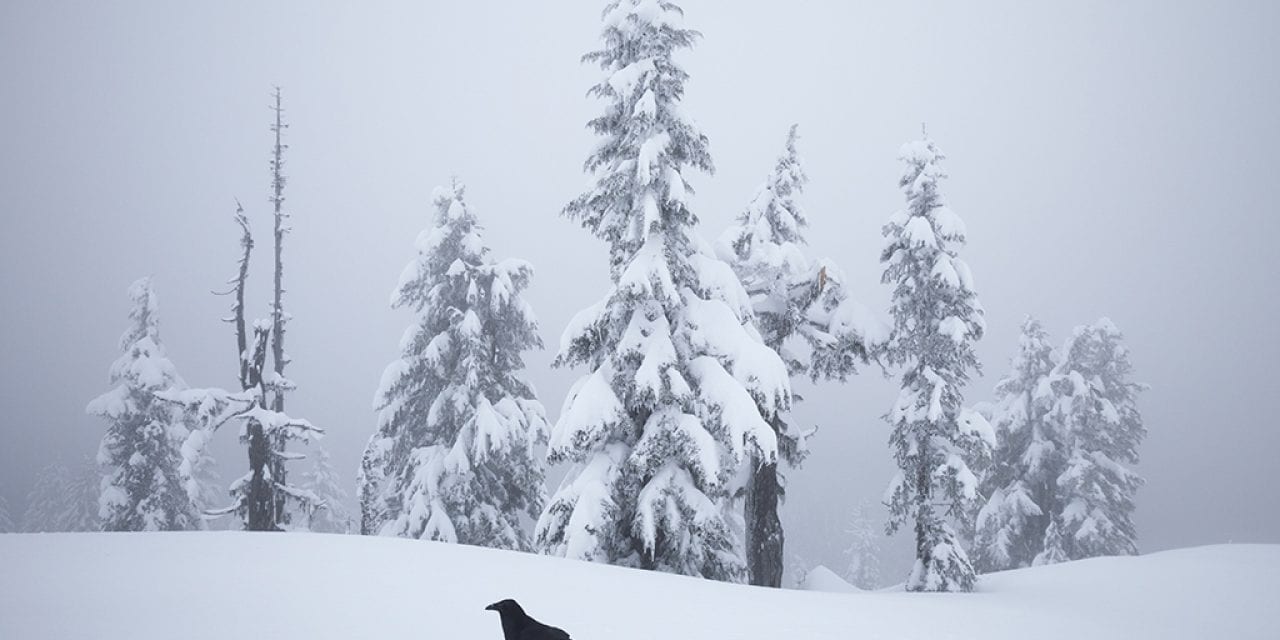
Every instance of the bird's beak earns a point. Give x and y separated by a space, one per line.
492 607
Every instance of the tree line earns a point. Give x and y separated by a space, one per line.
679 433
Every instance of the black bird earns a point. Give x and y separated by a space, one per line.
517 625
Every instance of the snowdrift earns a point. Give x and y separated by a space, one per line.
237 585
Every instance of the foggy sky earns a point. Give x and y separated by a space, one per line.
1108 158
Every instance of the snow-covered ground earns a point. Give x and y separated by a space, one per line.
263 586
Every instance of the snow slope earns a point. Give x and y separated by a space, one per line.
239 585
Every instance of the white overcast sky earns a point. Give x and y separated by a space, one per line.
1109 158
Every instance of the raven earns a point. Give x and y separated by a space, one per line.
517 625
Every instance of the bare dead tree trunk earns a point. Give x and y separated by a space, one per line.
278 315
237 309
261 499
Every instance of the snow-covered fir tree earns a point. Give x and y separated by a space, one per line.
765 246
64 499
1017 486
936 320
863 551
143 489
6 520
44 500
1096 410
679 388
793 299
322 480
453 457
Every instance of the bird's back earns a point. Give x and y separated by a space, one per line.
538 631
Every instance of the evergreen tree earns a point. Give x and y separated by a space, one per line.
142 490
1097 412
322 481
80 510
863 552
1018 485
679 388
64 499
6 521
936 319
792 298
765 246
453 455
43 508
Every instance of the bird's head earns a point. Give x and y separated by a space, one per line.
507 606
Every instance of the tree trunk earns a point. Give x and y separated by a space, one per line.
261 496
924 521
277 305
764 528
263 514
277 301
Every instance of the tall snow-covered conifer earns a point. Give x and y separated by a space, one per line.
1097 412
1018 484
452 458
793 298
143 489
679 387
936 319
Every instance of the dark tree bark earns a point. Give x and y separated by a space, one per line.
924 513
262 498
764 537
237 309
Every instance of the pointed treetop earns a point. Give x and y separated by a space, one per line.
450 201
921 175
1033 341
144 314
1032 327
773 221
647 143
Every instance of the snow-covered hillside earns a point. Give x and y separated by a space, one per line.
235 585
